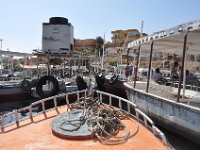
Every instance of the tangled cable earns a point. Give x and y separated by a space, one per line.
102 121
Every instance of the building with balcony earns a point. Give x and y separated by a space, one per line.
120 38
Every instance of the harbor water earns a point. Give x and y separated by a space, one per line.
178 142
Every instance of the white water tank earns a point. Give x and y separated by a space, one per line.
57 35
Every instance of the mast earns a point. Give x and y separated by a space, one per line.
103 52
141 31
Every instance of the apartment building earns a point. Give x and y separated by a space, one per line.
121 38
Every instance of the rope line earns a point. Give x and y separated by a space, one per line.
103 121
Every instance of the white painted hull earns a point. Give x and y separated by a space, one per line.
174 116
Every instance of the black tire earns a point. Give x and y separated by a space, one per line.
161 81
114 79
81 83
100 80
34 83
193 83
42 81
26 85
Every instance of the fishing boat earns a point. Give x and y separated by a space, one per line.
87 123
175 107
112 83
14 91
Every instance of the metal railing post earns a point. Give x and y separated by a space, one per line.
2 124
17 118
149 69
182 66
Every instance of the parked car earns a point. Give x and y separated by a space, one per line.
142 73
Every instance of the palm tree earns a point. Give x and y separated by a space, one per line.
99 44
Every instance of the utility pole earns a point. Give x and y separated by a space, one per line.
82 58
1 55
115 40
103 51
142 25
1 40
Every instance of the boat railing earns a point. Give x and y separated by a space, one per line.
14 78
125 105
135 113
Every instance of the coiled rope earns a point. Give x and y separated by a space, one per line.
103 121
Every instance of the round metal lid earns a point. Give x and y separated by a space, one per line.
69 125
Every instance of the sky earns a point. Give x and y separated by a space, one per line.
21 20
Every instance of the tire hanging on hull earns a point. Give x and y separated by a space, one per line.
100 80
26 85
52 81
80 82
34 82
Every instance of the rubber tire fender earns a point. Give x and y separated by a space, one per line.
100 80
26 85
114 79
81 83
34 83
42 81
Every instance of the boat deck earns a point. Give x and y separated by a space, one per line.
191 98
37 134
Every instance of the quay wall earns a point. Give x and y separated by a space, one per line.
173 116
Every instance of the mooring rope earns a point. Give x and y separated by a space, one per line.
104 122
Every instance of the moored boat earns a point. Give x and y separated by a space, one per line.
14 91
135 129
111 83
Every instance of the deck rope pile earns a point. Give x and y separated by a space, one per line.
102 120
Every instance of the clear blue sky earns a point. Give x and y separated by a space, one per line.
21 20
